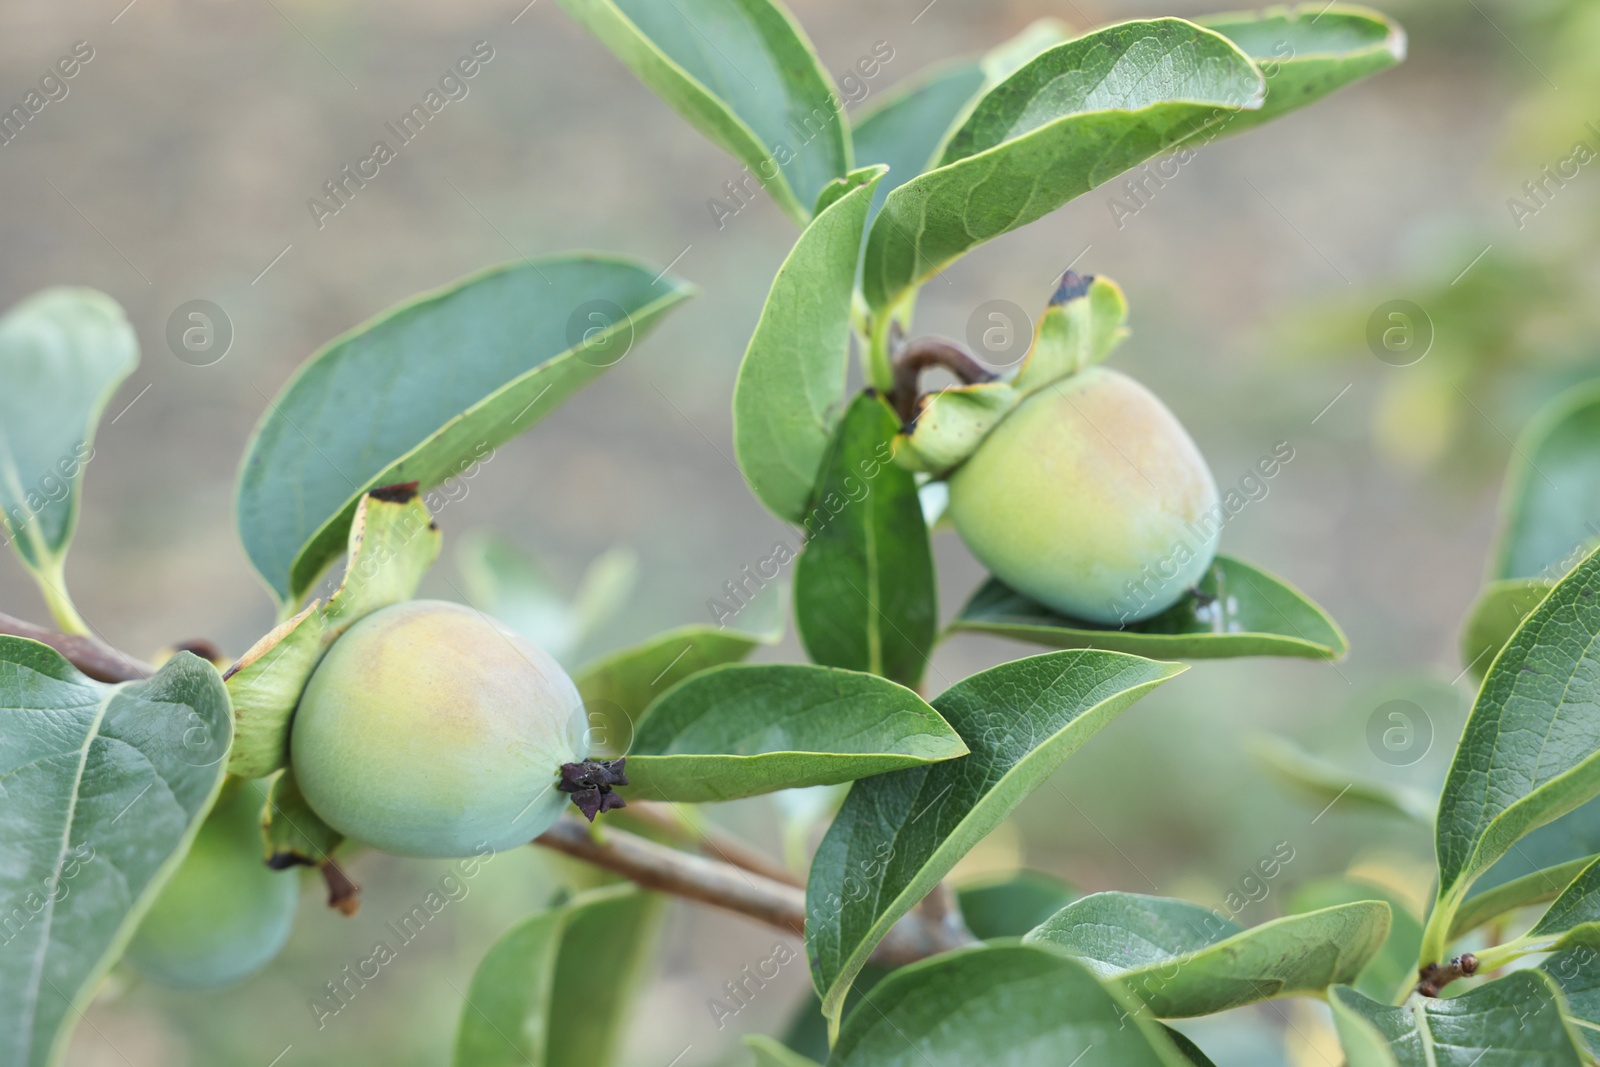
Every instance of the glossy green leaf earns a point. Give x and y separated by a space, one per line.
898 834
1550 507
1394 967
1002 1005
1183 959
1075 116
1324 783
743 74
770 1053
426 392
865 595
617 688
556 989
1495 616
1515 1021
102 789
1530 751
790 392
63 352
1241 611
1012 905
1307 52
1525 891
741 730
294 834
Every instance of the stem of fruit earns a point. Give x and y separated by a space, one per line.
91 656
922 933
924 352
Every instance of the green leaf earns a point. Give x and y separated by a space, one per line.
741 730
1307 52
556 989
864 587
1364 1045
381 405
294 834
743 74
1577 906
102 789
393 541
1002 1005
791 386
63 352
1530 751
1395 967
1495 616
908 124
1075 116
617 688
1242 611
1323 782
1535 888
1012 905
1513 1021
1188 1049
1183 959
265 686
1576 972
507 584
1551 499
770 1053
898 834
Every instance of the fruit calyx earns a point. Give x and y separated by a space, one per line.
590 782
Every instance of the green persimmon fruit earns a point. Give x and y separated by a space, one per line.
225 914
428 729
1091 498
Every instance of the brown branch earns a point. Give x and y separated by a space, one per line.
93 657
708 839
746 893
916 357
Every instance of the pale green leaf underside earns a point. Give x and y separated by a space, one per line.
1323 782
1002 1005
1241 611
1182 959
743 74
427 390
556 989
791 386
102 788
1529 889
1307 52
1552 490
741 730
1529 750
1394 967
1075 116
897 834
63 352
1515 1021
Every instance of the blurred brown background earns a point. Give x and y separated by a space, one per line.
178 166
